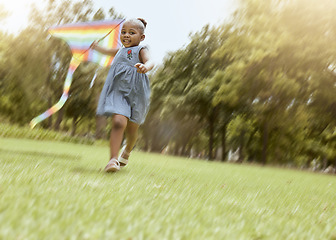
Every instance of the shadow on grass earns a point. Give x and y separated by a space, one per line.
41 154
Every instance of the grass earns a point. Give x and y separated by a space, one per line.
55 190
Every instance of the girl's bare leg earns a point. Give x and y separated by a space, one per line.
131 138
119 124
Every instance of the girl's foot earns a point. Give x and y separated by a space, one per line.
123 157
112 166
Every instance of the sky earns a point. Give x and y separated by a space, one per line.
169 22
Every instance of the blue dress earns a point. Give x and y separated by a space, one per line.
125 92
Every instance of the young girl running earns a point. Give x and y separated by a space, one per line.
125 95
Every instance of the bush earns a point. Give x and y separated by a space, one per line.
15 131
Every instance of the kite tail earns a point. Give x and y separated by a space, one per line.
73 65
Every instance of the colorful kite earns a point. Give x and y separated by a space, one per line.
79 37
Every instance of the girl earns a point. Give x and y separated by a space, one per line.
125 95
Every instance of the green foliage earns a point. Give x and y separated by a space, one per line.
181 90
82 103
34 66
269 75
243 134
15 131
263 83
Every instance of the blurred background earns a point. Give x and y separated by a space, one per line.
245 81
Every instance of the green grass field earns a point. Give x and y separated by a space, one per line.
55 190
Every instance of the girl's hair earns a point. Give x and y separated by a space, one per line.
143 21
140 22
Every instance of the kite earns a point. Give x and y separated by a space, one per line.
79 37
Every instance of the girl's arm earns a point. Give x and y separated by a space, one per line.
146 64
111 52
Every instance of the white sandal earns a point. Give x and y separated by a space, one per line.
112 166
122 160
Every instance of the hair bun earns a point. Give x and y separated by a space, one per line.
143 21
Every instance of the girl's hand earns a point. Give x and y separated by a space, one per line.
107 51
141 68
94 45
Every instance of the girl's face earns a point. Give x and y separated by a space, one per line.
131 34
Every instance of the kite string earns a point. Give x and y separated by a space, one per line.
101 39
111 30
73 65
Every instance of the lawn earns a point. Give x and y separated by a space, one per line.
54 190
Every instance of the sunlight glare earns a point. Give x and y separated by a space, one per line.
18 11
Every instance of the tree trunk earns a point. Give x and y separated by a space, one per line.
100 127
89 129
188 151
265 144
224 142
59 119
211 139
183 151
176 149
211 120
49 94
74 125
146 147
241 148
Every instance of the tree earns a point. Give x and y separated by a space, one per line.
182 96
3 13
58 51
35 65
81 103
268 76
278 52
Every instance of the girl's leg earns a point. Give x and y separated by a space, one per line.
131 138
119 124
